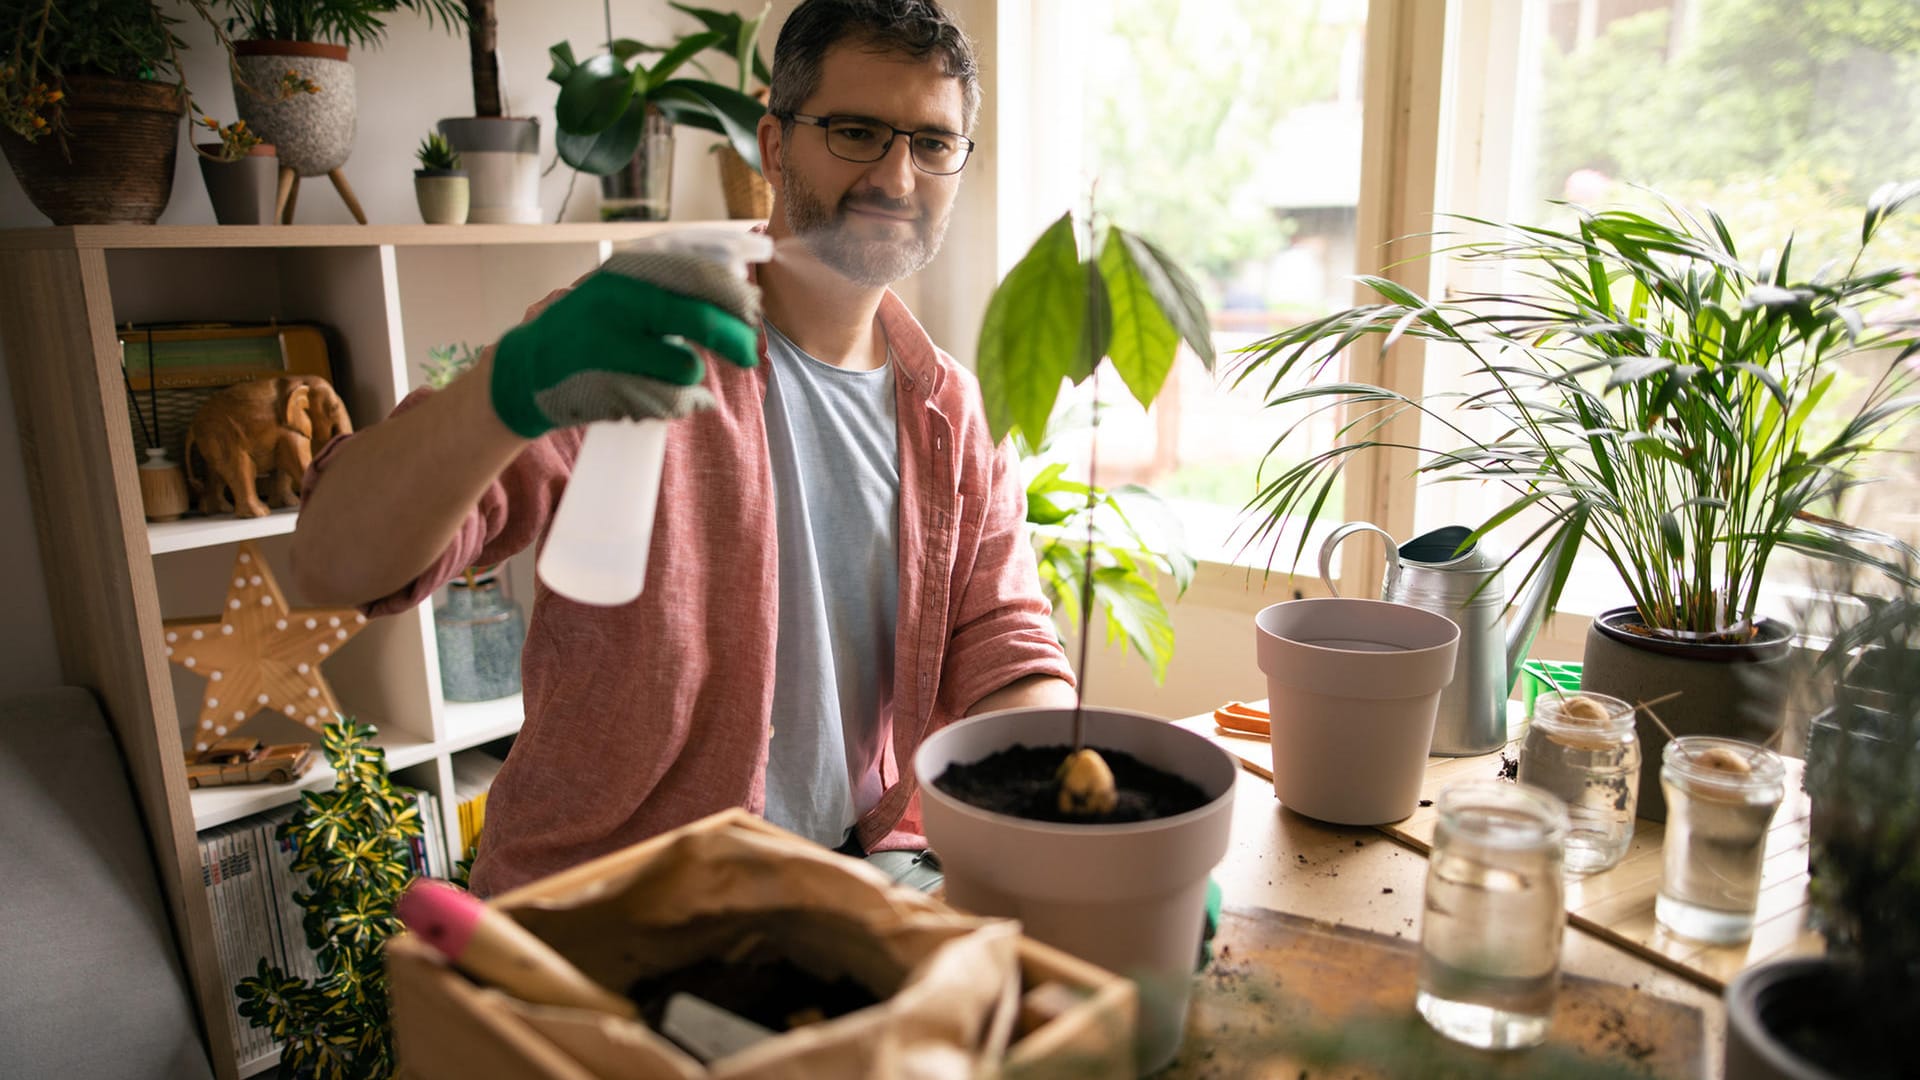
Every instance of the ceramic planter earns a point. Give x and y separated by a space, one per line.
1812 994
1353 689
1733 691
242 191
312 131
501 156
442 195
117 166
1131 897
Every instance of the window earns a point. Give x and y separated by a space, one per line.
1229 133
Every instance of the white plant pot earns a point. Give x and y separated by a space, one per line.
1353 687
501 157
1130 898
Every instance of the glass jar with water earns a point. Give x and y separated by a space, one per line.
1721 798
1582 748
1494 915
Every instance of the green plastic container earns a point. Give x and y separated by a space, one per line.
1540 676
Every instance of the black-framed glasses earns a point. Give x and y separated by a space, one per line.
864 139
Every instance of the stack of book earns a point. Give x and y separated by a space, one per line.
473 773
250 880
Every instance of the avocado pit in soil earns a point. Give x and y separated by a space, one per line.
1022 781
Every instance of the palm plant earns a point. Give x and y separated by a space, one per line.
360 23
353 843
1654 394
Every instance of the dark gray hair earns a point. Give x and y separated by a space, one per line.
917 28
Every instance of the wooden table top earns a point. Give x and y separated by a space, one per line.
1361 878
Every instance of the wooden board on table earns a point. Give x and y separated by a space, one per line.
1280 983
1617 904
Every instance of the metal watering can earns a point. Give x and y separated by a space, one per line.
1431 572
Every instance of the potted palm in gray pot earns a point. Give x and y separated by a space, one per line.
1852 1012
1657 397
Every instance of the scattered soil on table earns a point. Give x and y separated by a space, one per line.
1509 767
1020 781
769 990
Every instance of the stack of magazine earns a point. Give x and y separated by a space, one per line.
248 872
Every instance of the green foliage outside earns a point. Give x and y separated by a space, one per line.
1182 114
1783 117
353 845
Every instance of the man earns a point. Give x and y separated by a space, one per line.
839 564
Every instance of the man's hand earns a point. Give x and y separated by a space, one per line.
617 345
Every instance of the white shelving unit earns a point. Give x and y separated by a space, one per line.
384 294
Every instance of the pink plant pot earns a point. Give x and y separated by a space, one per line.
1130 897
1353 687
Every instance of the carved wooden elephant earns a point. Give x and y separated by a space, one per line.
267 426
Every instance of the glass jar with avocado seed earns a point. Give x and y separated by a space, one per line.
1582 748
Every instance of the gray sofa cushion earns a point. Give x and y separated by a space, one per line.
90 980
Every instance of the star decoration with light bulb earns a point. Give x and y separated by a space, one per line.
259 655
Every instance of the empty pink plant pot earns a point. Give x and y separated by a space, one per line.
1353 688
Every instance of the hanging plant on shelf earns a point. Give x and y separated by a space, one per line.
353 842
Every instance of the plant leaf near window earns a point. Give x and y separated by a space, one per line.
1656 395
1054 318
1058 312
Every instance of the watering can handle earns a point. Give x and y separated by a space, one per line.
1344 531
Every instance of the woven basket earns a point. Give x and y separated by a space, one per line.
748 193
122 135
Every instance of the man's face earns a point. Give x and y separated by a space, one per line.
872 222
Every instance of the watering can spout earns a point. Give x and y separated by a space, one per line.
1530 611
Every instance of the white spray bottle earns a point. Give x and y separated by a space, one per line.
596 549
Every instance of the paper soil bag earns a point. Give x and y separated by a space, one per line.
949 983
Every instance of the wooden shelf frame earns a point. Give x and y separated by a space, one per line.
62 292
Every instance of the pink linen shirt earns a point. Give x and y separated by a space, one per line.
644 717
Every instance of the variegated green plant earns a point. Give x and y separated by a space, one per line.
353 843
1657 394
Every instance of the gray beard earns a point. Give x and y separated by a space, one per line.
863 262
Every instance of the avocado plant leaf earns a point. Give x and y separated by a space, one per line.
604 152
1174 292
1144 340
1032 334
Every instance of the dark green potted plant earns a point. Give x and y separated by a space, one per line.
90 104
615 119
1851 1012
747 192
1657 397
293 83
353 842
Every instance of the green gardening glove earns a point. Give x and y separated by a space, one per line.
617 347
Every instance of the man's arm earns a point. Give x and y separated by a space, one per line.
393 496
1031 692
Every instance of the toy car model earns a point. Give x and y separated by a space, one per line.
237 759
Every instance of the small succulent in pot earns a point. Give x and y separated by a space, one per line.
436 156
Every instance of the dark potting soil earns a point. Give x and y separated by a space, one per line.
771 991
1021 781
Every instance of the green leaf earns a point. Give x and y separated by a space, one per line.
1633 369
594 96
1173 292
625 49
1097 334
714 108
1031 336
1768 379
676 57
605 152
563 62
1144 341
1135 613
